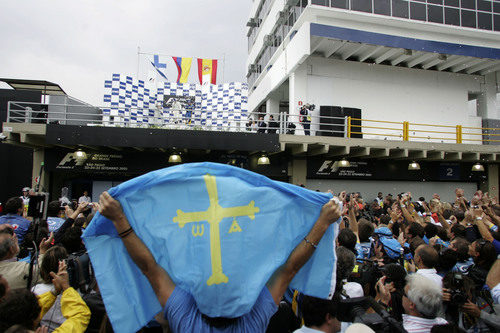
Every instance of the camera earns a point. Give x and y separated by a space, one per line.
457 296
354 310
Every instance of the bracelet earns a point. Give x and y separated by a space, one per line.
309 242
126 232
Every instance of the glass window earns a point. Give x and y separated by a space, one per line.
451 16
362 5
484 5
484 21
496 7
340 4
382 7
452 3
437 2
469 4
417 11
400 8
435 14
321 2
496 22
468 19
418 0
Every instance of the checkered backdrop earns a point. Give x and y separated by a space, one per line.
134 103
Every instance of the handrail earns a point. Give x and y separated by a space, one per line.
379 121
432 125
160 117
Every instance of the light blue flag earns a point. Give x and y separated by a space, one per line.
219 231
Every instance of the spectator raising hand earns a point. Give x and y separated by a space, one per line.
61 279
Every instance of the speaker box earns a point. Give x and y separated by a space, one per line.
330 126
335 126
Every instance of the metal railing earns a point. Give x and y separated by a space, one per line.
213 120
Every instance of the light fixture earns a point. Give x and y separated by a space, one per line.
413 166
175 158
343 163
263 160
80 154
478 167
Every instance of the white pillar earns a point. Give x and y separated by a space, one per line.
493 180
273 105
299 172
38 158
487 100
297 93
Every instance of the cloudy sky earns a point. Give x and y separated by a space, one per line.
79 44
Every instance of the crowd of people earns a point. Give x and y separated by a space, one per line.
272 126
403 264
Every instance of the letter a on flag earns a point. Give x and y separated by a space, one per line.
219 231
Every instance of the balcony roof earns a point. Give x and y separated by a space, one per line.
364 46
45 87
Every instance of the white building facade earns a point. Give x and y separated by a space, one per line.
425 61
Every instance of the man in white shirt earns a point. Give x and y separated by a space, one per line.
426 259
422 302
84 198
319 315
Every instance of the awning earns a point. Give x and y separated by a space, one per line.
45 87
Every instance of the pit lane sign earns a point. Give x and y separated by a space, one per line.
331 169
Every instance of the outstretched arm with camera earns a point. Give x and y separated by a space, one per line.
69 221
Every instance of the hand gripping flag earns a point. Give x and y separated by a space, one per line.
207 71
183 67
219 231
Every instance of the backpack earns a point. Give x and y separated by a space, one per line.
80 272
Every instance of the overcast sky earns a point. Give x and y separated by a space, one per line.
79 44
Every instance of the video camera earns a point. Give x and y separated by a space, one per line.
353 310
38 205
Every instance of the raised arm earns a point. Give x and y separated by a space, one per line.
300 255
161 282
353 222
477 215
404 202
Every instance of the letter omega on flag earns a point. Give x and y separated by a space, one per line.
214 215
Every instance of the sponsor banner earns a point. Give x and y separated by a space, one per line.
328 168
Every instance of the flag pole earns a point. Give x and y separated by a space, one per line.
223 67
138 56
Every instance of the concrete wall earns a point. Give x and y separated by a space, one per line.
392 94
70 111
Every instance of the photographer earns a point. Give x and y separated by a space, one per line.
305 118
463 305
390 290
484 255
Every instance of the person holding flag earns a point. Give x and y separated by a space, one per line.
179 306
